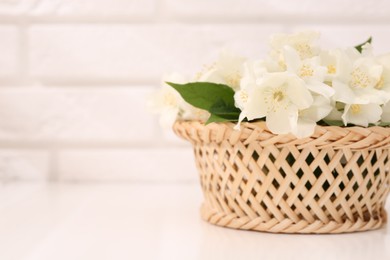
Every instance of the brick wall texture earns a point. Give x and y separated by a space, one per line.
74 75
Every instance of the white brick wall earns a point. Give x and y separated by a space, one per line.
22 164
282 10
134 52
74 75
76 114
79 8
9 51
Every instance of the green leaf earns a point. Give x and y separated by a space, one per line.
360 46
218 99
204 95
384 124
216 119
333 122
221 109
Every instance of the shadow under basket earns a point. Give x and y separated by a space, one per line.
335 181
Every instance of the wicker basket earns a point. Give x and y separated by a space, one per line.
332 182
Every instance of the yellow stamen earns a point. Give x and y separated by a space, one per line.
331 69
306 71
243 96
278 96
359 79
233 80
304 50
205 69
355 109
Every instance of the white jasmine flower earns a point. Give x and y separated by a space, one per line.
362 114
360 80
384 84
170 105
253 72
304 43
278 97
275 65
226 70
189 112
386 113
308 118
384 81
335 114
167 101
310 70
332 61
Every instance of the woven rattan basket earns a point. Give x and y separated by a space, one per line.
335 181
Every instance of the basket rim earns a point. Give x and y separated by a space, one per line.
336 137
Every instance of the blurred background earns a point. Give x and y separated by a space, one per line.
75 74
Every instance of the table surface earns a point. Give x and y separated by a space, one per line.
149 221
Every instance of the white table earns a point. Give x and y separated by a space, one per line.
149 221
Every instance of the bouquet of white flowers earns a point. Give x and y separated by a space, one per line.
297 86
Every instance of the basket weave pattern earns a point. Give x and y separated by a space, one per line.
332 182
